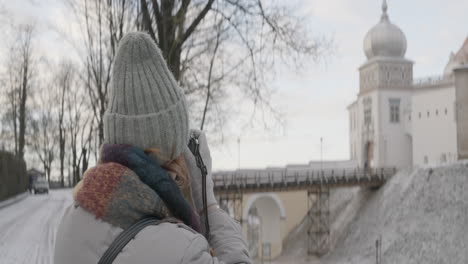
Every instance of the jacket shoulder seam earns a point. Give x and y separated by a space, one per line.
191 242
188 233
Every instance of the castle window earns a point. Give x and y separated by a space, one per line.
428 114
394 110
437 112
367 102
446 111
419 115
367 116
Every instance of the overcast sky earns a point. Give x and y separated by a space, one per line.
314 102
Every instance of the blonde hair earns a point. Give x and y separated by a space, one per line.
177 167
178 170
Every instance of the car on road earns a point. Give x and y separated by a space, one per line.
41 185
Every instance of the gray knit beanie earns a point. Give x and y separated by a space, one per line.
146 107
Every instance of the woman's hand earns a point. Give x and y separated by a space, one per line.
196 175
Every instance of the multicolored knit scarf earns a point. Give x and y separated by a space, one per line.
118 195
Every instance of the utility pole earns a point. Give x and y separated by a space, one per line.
238 153
378 250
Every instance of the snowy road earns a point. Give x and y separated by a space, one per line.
27 228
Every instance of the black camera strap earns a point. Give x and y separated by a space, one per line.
194 146
126 236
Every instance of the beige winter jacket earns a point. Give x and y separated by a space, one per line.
83 239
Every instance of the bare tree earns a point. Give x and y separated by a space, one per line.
79 124
65 80
44 131
216 49
19 78
103 23
214 46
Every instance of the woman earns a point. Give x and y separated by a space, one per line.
146 169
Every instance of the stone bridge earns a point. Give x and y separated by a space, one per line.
270 203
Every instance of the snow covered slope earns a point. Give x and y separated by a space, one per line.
28 227
421 215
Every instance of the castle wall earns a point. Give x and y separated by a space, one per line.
434 126
461 90
364 134
353 134
395 144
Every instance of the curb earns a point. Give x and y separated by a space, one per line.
13 199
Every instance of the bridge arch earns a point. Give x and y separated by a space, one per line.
264 215
255 197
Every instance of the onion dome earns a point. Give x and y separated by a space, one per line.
385 39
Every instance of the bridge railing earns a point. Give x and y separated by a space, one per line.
264 178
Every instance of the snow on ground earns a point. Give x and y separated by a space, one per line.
13 199
28 227
421 215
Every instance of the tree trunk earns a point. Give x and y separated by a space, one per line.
62 153
15 122
22 109
101 123
174 64
85 161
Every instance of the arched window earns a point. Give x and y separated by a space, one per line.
394 110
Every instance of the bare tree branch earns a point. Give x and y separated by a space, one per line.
195 23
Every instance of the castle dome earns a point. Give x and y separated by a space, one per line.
385 39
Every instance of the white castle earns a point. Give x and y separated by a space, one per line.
401 122
394 122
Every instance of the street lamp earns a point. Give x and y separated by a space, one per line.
238 153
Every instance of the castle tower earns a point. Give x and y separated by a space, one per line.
379 134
